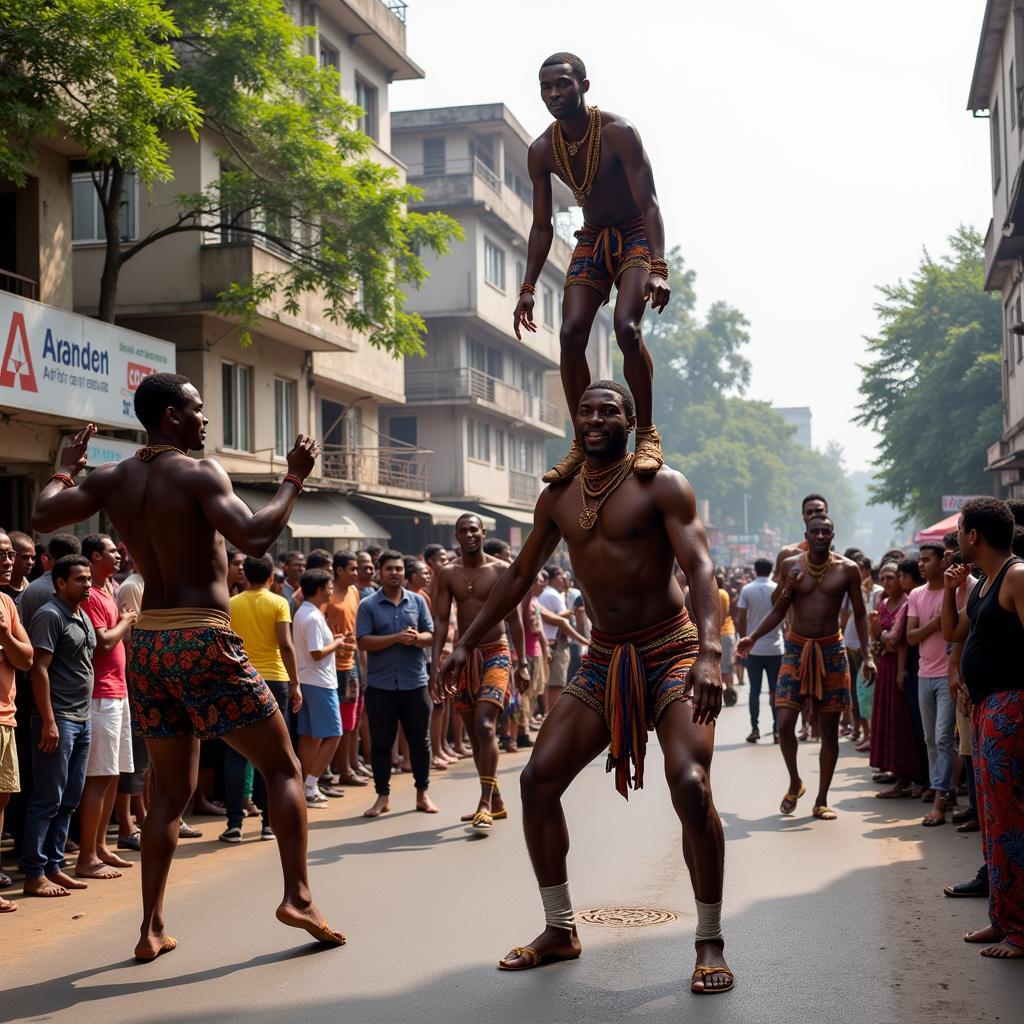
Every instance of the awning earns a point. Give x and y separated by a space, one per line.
321 515
517 515
938 530
439 515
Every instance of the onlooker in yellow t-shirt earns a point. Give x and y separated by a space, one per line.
727 634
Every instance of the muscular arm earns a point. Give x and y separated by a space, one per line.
954 623
541 230
59 506
514 621
442 611
626 144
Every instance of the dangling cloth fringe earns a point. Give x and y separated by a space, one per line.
625 711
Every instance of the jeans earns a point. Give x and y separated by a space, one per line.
385 709
58 782
769 665
234 770
938 718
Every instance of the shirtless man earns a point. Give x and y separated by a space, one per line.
601 158
483 685
814 665
188 676
623 547
813 505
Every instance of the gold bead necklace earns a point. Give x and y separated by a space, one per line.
818 571
563 151
602 490
151 451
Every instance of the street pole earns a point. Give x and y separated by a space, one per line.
746 525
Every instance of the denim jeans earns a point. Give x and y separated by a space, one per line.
769 665
58 780
234 770
938 719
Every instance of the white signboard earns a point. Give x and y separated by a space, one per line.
109 449
956 502
69 365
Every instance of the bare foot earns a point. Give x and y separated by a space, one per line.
152 945
43 887
112 859
65 880
311 920
7 906
704 981
1004 951
94 869
438 764
425 804
989 934
380 806
551 946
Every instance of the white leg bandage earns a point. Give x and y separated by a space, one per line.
557 906
709 922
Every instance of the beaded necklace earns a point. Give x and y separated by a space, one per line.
151 451
818 571
563 151
600 485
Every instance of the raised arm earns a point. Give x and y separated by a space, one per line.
509 590
252 532
674 497
541 234
59 505
954 622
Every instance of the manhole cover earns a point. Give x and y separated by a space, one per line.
627 917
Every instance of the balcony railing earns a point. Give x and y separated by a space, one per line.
402 467
397 8
466 382
522 486
463 167
18 285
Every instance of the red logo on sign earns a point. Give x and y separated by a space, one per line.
137 374
17 362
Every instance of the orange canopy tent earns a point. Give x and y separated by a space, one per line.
938 530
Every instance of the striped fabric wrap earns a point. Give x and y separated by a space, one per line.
625 711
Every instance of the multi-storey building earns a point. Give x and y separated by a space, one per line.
302 372
58 370
998 88
481 400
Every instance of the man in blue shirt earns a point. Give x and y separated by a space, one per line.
393 627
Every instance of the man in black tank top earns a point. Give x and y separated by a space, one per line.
991 628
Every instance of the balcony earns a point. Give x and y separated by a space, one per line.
467 384
18 285
399 468
523 487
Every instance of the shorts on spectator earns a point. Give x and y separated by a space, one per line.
134 783
10 780
110 752
320 714
728 641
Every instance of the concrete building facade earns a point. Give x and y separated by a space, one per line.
484 402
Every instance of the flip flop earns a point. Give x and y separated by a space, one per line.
788 805
532 958
483 821
168 945
495 815
7 907
704 972
824 813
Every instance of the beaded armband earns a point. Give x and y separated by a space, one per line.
64 478
526 289
292 479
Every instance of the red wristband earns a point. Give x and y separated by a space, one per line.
292 479
64 478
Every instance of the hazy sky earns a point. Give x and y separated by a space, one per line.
803 150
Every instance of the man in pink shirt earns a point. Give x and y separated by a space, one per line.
938 709
111 750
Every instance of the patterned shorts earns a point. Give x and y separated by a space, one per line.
791 691
602 255
486 679
667 652
194 681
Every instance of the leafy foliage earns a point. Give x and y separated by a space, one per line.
932 387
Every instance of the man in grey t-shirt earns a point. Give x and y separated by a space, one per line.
765 658
64 640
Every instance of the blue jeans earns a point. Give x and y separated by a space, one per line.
58 780
938 720
758 665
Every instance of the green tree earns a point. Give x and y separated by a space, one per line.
932 387
297 172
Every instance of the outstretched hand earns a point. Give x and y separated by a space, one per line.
657 292
75 453
706 678
446 679
302 456
522 318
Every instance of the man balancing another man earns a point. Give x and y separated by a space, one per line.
483 686
599 155
814 665
647 666
188 676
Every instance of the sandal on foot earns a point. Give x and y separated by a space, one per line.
788 805
704 972
893 794
483 820
933 818
824 813
532 958
567 466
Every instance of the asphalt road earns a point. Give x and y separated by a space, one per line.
825 921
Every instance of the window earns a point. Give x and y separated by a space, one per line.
329 56
433 156
470 439
548 306
477 355
403 429
997 148
478 441
366 97
494 264
87 214
236 395
284 415
499 448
